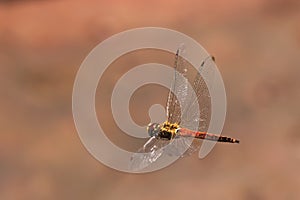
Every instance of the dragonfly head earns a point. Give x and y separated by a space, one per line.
153 129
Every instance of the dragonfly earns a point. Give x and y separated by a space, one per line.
181 133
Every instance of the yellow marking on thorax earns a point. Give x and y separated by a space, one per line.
170 127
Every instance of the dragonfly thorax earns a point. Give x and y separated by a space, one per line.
168 130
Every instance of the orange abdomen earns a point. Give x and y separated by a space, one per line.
205 136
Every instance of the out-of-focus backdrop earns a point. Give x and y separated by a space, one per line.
42 44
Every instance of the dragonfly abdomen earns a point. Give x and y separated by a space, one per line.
206 136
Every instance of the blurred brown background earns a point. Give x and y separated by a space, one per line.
256 43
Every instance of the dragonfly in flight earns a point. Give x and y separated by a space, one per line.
183 124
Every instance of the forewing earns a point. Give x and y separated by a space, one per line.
192 107
197 114
179 87
201 103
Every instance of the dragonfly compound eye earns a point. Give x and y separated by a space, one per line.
153 129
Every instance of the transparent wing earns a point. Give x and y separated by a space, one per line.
201 101
180 146
179 87
195 105
154 148
148 154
